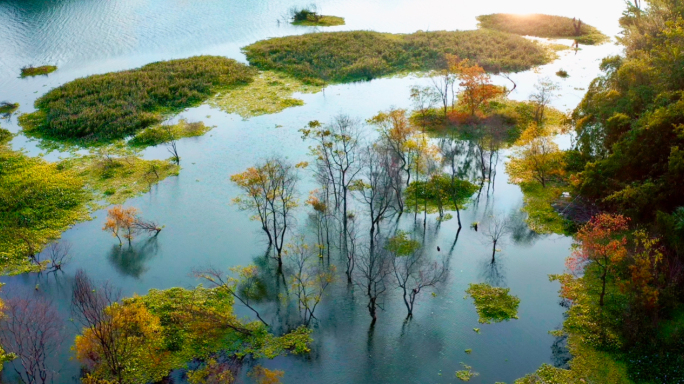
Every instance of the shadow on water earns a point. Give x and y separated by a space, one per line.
131 260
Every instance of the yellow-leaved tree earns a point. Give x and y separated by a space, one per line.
537 158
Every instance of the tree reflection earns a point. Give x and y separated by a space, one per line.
521 234
493 272
132 260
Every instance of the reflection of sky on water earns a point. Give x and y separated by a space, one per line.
85 37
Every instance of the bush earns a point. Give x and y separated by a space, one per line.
542 26
115 105
364 55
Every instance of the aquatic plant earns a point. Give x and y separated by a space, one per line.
543 26
562 73
101 108
353 56
466 373
30 71
493 304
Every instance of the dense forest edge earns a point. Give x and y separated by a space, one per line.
618 191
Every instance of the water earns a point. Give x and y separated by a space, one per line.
86 36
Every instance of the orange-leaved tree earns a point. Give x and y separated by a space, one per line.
601 242
126 223
477 85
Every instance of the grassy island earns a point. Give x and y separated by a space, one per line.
311 18
493 304
102 108
363 55
321 21
543 26
31 71
164 133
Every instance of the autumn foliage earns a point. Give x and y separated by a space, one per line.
125 222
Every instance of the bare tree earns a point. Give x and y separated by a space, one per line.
338 149
413 269
375 188
32 330
372 271
271 192
423 100
242 286
171 144
56 255
495 228
542 97
452 150
89 305
309 279
352 246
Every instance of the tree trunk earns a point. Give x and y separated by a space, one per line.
603 287
493 251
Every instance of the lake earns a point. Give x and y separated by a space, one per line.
84 37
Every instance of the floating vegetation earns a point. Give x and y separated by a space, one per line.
353 56
7 108
562 73
543 26
469 351
31 71
467 373
115 175
165 133
493 304
270 92
477 330
102 108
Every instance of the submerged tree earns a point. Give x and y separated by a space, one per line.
413 270
308 280
495 228
270 192
537 158
542 97
31 330
337 150
373 268
126 223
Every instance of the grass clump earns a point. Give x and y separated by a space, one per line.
7 108
165 133
493 303
116 176
111 106
364 55
562 73
270 92
543 26
30 71
309 16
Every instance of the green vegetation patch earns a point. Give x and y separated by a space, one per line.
7 108
102 108
270 92
165 133
116 177
493 303
466 373
31 71
364 55
38 201
320 21
541 216
543 26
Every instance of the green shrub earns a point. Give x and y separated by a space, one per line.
115 105
364 55
542 26
562 73
7 108
162 134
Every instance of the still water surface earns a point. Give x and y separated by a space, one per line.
84 37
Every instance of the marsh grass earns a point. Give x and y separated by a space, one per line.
562 74
542 26
159 135
270 92
339 57
30 71
117 178
102 108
